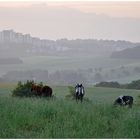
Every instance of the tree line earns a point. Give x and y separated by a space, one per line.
113 84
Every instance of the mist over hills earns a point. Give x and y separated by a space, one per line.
64 45
64 61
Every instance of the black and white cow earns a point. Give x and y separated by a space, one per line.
124 100
79 92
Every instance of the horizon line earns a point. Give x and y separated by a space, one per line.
89 38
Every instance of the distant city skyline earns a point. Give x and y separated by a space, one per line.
10 36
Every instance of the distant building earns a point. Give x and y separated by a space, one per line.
19 38
1 37
37 45
10 36
27 39
7 35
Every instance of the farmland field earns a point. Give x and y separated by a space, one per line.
64 118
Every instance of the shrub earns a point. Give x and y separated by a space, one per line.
133 85
108 84
23 89
71 94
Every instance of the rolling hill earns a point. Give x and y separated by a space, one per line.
129 53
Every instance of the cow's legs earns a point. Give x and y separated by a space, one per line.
76 98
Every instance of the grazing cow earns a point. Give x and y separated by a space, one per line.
124 100
45 91
37 89
79 92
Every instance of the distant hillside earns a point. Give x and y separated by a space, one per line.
131 53
14 44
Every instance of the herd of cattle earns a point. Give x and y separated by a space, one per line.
41 90
46 91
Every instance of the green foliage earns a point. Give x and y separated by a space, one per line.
133 85
108 84
71 94
23 89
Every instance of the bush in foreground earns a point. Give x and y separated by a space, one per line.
23 89
71 94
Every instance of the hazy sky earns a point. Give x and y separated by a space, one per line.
119 9
111 8
53 20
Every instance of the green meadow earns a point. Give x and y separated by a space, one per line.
64 118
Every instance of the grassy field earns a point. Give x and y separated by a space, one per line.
62 118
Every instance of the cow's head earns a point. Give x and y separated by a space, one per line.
118 101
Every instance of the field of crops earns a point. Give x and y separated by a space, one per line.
63 118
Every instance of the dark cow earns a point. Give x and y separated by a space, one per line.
79 92
41 90
47 91
37 89
124 100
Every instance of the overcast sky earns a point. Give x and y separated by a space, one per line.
55 20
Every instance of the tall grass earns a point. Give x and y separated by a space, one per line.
41 118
